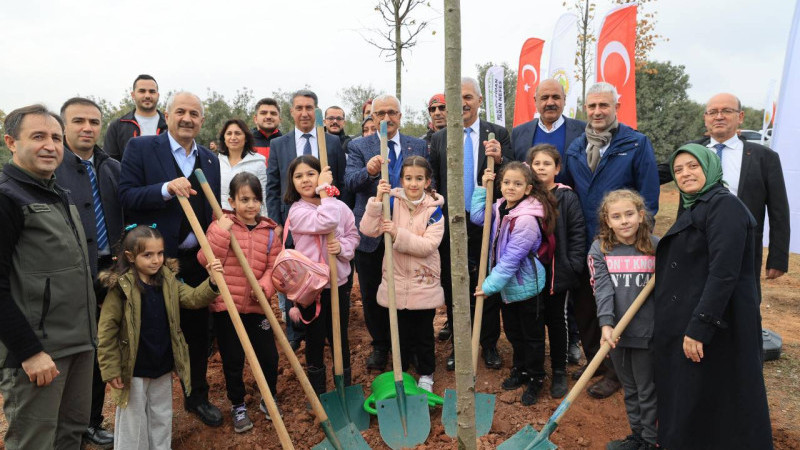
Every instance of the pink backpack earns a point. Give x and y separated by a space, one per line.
301 279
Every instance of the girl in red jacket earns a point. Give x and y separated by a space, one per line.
261 246
417 228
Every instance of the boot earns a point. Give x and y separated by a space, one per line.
317 377
558 388
531 394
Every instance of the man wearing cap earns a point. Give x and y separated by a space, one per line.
438 110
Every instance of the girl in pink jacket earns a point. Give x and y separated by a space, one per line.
313 215
416 227
261 246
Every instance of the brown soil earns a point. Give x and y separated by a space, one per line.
589 423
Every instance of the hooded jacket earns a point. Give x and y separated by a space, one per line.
120 323
417 268
512 272
569 259
254 244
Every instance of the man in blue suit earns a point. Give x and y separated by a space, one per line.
361 179
551 127
300 141
155 170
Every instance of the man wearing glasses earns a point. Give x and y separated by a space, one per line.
437 108
334 124
753 173
361 178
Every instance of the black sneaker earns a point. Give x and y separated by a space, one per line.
558 388
377 360
492 358
446 332
632 442
263 407
516 379
99 437
573 353
531 394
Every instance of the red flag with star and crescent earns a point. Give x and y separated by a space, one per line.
528 78
616 59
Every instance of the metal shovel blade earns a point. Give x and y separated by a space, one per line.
484 413
417 421
525 439
345 405
349 437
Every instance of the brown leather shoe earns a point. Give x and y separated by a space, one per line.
578 373
604 388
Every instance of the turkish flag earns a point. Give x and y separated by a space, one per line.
616 62
527 79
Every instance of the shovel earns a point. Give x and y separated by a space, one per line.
283 435
336 438
404 420
528 438
484 403
344 403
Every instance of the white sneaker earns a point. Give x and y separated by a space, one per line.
426 382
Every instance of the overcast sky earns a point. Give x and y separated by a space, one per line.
53 50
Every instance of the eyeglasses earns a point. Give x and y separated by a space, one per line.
724 112
432 109
335 118
381 114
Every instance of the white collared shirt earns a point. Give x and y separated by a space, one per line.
731 161
300 142
556 125
475 136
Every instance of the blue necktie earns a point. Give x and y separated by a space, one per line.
719 148
392 155
307 147
469 169
99 217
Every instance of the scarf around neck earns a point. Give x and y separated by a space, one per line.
598 140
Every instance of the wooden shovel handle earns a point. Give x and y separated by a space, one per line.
249 353
484 262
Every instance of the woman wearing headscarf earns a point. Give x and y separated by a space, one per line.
707 336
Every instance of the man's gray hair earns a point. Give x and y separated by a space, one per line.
171 100
472 82
603 88
384 97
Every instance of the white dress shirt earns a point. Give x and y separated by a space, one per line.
731 161
556 125
186 164
300 142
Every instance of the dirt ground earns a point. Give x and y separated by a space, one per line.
589 423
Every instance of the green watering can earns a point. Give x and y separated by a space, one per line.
383 388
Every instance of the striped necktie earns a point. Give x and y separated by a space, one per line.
99 217
469 168
719 148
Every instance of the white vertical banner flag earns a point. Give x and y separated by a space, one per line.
495 97
562 59
769 111
786 133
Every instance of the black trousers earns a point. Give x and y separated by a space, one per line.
555 318
523 322
588 326
321 329
490 326
416 339
232 353
194 324
98 386
376 317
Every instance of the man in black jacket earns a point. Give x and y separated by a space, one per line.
437 108
267 119
92 178
476 137
144 120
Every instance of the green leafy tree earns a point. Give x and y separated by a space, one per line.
284 99
509 89
753 118
218 110
5 154
354 98
415 123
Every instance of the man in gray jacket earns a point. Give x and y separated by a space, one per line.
47 303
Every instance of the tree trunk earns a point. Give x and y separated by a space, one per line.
398 61
462 329
581 113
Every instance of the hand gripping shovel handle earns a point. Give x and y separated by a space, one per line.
593 365
487 229
283 435
338 368
280 336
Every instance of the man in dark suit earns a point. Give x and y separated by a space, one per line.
92 177
361 178
477 148
753 173
300 141
552 127
156 169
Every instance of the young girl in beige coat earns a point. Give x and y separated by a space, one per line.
417 227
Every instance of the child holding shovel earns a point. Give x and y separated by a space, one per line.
140 342
315 212
260 243
417 228
515 271
621 261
